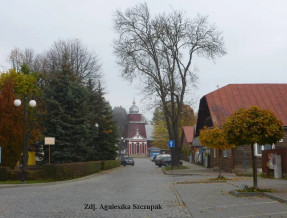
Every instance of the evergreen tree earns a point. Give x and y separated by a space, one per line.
67 120
107 134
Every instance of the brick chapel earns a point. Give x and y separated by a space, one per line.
137 133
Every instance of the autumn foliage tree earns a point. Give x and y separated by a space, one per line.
11 126
250 126
17 85
216 139
160 133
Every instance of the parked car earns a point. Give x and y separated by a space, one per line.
166 161
127 161
153 158
160 156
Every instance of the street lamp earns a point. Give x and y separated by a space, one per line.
17 103
121 145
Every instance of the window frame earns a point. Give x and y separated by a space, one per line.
255 146
225 154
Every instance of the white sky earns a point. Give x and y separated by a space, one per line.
255 33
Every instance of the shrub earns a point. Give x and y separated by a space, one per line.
4 174
34 174
60 171
71 170
109 164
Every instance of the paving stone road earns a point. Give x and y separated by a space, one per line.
142 184
214 200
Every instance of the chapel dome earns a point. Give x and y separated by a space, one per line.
134 109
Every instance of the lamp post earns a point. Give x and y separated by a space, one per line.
121 145
97 129
17 103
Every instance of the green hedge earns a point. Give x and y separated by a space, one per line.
71 170
60 171
4 174
75 170
109 164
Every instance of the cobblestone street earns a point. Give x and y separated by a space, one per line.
142 184
142 190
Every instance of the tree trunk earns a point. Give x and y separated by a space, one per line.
254 165
219 153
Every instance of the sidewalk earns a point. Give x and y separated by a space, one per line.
279 185
194 169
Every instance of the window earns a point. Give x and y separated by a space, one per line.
224 153
259 148
214 153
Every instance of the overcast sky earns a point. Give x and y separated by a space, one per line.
255 33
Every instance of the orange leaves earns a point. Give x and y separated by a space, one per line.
214 138
109 131
11 126
253 125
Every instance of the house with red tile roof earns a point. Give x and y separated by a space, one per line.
216 106
137 133
186 142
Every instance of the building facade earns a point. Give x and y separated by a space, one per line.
216 106
137 134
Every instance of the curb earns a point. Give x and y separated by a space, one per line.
282 200
175 174
246 194
177 195
265 194
201 182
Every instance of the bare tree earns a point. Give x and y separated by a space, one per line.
160 51
120 118
18 58
83 63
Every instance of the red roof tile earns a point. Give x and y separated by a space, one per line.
225 101
188 133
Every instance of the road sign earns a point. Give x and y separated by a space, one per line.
171 143
49 141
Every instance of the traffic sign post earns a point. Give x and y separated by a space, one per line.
49 141
171 144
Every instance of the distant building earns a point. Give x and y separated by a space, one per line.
137 133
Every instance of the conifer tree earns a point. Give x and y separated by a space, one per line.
67 120
107 133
